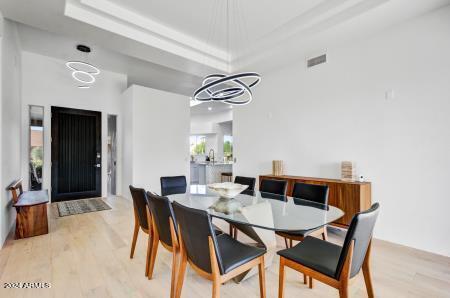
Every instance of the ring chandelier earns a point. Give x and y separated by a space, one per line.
83 72
233 89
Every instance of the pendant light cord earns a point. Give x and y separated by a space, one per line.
228 35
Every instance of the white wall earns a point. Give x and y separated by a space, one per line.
156 126
47 82
205 123
10 121
315 118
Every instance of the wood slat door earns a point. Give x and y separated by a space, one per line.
76 154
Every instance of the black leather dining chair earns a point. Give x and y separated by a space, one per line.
142 220
163 219
250 181
333 264
171 185
215 257
276 187
304 193
318 196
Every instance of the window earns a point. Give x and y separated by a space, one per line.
198 145
228 146
36 146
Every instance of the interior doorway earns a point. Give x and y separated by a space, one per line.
112 155
76 154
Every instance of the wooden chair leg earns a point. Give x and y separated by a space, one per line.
345 273
367 274
286 242
368 280
290 243
343 291
235 233
149 253
311 282
262 278
181 273
216 287
174 272
305 279
154 251
149 243
281 279
135 236
214 269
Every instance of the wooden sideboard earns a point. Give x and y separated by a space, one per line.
350 196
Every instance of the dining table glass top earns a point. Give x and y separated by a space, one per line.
263 210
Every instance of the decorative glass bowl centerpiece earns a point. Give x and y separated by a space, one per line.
227 192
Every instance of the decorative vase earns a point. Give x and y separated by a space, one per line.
277 167
347 171
227 192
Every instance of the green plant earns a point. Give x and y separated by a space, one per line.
200 148
37 156
227 148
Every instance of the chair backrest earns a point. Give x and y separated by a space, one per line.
360 230
162 213
311 192
273 196
173 185
250 181
195 228
140 203
277 187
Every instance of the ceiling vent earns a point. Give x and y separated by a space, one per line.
317 60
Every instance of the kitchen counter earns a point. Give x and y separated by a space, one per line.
208 172
211 164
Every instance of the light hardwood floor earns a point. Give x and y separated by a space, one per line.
87 255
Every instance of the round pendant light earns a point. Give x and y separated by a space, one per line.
83 72
233 89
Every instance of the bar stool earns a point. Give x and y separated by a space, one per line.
226 177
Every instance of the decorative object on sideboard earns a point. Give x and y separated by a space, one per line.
277 167
347 171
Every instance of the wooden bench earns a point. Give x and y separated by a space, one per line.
31 207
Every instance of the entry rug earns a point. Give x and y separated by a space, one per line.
81 206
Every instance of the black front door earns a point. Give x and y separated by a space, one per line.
76 154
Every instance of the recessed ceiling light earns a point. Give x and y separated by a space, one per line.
209 108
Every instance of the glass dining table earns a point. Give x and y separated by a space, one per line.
262 214
264 210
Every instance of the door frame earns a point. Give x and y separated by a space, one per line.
55 112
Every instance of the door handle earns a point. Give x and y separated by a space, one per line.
97 165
